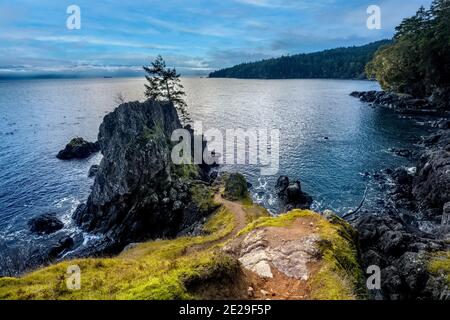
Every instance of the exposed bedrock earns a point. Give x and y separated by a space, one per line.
138 193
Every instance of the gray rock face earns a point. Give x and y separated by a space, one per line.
431 186
93 170
411 224
135 195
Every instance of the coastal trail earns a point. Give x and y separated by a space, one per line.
240 221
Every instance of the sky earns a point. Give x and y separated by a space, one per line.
117 37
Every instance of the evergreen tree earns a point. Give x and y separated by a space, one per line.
164 85
418 61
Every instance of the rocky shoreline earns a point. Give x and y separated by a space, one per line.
138 195
411 227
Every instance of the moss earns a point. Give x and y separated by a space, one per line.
283 220
254 212
75 142
152 270
439 264
156 132
186 171
203 198
224 221
180 268
235 186
339 275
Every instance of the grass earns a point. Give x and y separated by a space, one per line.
203 197
339 276
253 210
168 269
439 264
154 270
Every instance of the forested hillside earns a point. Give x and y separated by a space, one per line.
340 63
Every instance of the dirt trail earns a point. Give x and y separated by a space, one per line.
287 250
236 209
240 219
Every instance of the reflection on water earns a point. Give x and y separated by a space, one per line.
37 118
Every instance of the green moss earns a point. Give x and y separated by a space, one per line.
439 264
75 142
235 186
171 269
203 197
186 171
254 212
152 270
283 220
155 133
224 221
339 276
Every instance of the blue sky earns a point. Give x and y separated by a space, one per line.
195 36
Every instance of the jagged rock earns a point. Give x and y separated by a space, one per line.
78 148
93 170
137 193
45 224
400 251
282 184
431 185
441 98
63 244
403 103
292 195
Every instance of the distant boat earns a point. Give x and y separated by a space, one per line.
107 77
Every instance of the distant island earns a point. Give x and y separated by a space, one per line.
340 63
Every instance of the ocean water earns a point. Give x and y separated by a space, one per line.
38 117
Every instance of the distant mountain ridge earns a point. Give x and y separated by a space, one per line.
339 63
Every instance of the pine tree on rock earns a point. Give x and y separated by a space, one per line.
164 85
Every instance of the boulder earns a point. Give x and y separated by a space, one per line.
291 194
78 148
235 186
45 224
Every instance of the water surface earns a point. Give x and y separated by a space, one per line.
38 117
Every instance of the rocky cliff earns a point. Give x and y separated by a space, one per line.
138 194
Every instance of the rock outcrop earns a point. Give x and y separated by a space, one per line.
78 148
404 103
45 224
431 184
138 193
235 186
291 194
411 226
